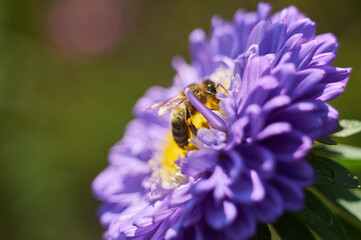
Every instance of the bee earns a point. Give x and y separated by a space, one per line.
182 110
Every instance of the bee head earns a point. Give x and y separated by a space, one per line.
211 89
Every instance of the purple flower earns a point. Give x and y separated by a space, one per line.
246 164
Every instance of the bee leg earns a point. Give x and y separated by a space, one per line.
193 129
188 114
189 123
222 87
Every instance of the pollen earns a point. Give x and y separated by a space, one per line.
171 152
170 171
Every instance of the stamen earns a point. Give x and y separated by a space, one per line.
210 116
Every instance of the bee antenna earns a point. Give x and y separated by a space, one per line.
222 87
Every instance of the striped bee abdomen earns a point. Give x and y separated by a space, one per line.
180 129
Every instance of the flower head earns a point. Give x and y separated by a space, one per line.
244 162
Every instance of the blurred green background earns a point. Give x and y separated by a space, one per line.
70 73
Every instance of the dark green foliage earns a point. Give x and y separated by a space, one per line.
328 171
335 231
315 211
323 172
349 201
327 141
290 227
263 233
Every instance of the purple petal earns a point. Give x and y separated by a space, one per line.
242 189
274 39
300 172
285 74
289 146
236 164
306 80
223 38
258 33
194 215
201 53
244 23
322 59
198 163
243 227
263 10
288 15
258 189
328 43
256 68
117 186
218 182
237 129
303 55
291 43
274 129
334 82
318 119
220 215
292 194
304 26
270 208
211 137
259 158
265 89
277 102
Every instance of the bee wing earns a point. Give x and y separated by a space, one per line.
161 103
170 105
167 104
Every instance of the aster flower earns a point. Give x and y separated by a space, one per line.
246 165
